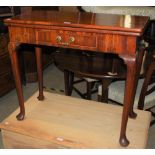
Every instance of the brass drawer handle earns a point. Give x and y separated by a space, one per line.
59 41
71 39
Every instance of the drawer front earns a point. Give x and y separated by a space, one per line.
23 35
79 40
6 83
5 65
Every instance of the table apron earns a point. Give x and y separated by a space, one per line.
101 42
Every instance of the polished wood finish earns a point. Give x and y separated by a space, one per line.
15 68
118 34
84 20
40 72
28 61
100 66
93 65
130 89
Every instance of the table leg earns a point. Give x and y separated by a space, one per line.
69 79
140 55
15 68
38 52
105 89
129 96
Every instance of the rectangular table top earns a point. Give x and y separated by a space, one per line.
126 23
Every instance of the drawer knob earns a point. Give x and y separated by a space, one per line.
58 38
71 39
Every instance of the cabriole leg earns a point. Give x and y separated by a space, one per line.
15 68
131 83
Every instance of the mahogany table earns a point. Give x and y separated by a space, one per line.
118 34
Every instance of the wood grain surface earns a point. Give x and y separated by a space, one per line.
66 122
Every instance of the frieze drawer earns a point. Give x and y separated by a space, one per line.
81 40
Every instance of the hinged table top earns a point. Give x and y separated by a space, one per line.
125 23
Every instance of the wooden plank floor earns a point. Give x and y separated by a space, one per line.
65 122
